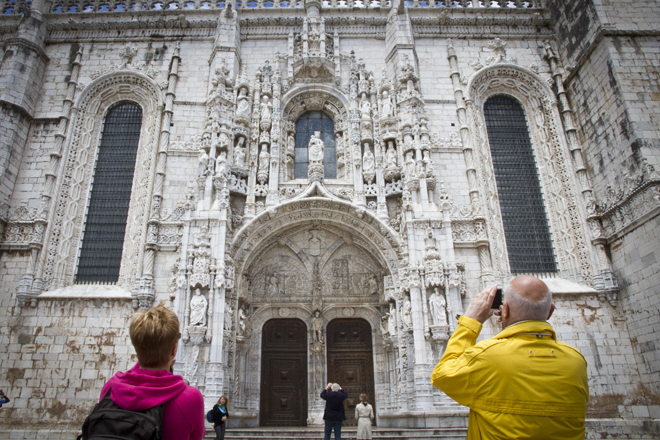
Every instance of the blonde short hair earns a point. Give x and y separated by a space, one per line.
363 397
154 334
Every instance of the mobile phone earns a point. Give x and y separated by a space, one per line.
497 301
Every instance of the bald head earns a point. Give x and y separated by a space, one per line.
526 298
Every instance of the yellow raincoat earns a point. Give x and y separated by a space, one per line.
521 384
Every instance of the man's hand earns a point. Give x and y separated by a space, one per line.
479 308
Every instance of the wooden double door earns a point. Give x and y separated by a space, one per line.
350 361
284 368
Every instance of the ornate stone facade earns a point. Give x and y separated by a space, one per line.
221 230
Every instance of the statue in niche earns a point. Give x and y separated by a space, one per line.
428 163
438 307
407 314
410 165
274 285
371 285
223 141
339 142
266 108
387 105
290 145
314 243
229 312
317 328
243 106
391 320
198 305
316 148
202 161
221 164
391 155
365 107
239 153
264 159
368 162
243 322
203 239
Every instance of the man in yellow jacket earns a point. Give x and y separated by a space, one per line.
521 384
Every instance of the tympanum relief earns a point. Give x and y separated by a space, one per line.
318 258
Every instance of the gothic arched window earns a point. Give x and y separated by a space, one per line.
107 210
526 230
306 126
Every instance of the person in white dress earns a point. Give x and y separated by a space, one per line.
364 414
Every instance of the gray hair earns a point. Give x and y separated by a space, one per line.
525 307
334 387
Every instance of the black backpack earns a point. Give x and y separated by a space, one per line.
108 421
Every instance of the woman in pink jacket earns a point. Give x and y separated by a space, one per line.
155 336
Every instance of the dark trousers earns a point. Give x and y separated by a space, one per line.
328 429
220 431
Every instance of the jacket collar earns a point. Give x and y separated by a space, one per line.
527 327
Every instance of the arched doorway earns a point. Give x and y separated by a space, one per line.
350 361
284 373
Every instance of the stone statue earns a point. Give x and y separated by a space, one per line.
410 165
387 105
407 314
239 153
273 285
391 320
368 163
372 285
365 107
202 161
438 308
264 159
391 155
428 163
266 108
228 316
290 145
316 148
339 142
243 106
243 323
198 306
317 328
221 164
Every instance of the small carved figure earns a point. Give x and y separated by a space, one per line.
221 164
428 163
407 314
264 159
391 155
266 108
239 153
365 107
387 105
243 106
273 285
229 312
410 165
391 320
202 161
290 145
243 323
198 306
438 307
317 327
372 285
316 148
368 163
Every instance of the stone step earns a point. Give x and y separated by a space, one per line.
348 433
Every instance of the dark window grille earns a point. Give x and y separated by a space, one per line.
528 239
306 125
107 211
